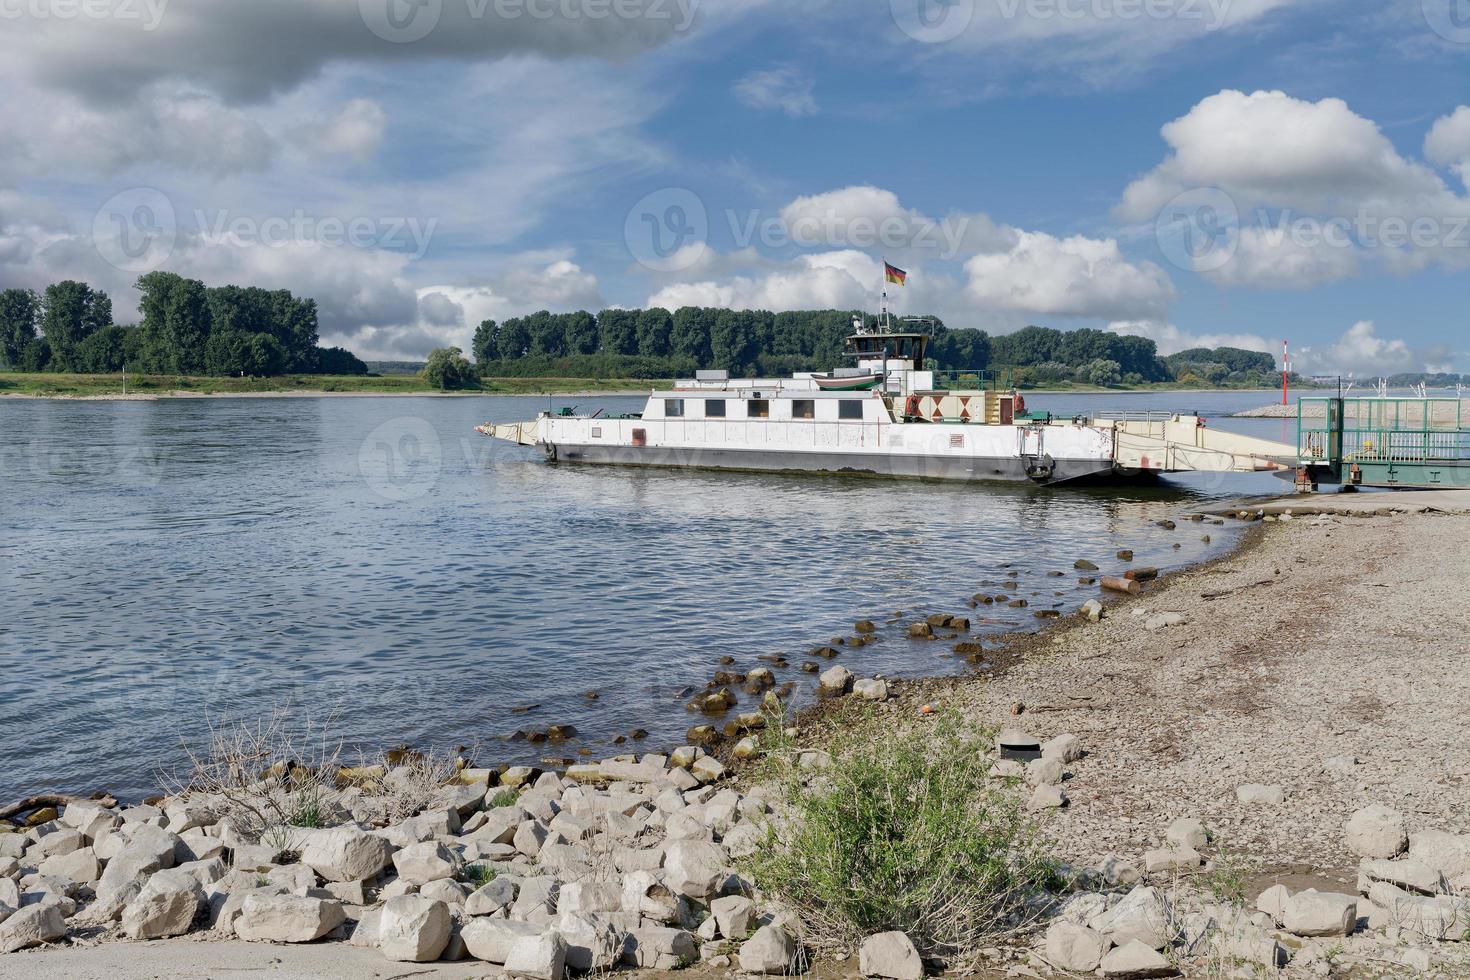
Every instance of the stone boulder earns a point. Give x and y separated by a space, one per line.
413 929
31 926
1188 831
1313 913
871 689
166 906
1136 959
491 897
1376 832
660 948
346 854
734 916
1144 914
694 868
772 950
594 943
1074 948
540 956
891 955
266 918
427 861
835 680
491 939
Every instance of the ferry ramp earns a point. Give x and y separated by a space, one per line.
1155 443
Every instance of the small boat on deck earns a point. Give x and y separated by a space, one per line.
856 381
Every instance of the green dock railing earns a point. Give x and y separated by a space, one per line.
1386 441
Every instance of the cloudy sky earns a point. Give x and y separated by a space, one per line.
1196 171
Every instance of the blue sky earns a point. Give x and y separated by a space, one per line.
1197 171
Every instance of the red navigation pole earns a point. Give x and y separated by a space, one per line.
1285 369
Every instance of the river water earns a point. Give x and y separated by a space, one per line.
376 567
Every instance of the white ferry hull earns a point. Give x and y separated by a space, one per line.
978 468
1041 454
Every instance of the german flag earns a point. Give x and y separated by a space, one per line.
894 274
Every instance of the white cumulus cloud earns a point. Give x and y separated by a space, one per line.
1074 277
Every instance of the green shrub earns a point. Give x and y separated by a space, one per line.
904 831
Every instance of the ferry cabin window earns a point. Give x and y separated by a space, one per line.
714 408
803 408
758 408
850 408
673 408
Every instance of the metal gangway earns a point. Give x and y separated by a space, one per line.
1385 441
1159 442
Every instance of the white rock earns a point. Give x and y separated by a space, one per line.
594 943
1065 747
734 916
1136 959
1449 854
1177 857
694 868
1376 832
835 680
1047 798
413 929
1312 913
445 890
1074 948
166 906
1116 870
871 689
1163 621
771 950
541 956
1256 793
1273 901
660 948
80 866
1189 831
31 926
491 897
60 842
1046 771
1406 873
529 838
346 854
891 955
225 909
266 918
491 939
1093 610
427 861
1144 914
590 896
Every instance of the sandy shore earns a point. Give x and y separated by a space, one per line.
1326 656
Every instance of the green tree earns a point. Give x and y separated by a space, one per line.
654 327
690 336
579 333
20 314
962 350
514 339
176 317
617 332
1026 347
36 356
338 360
104 352
72 312
448 370
732 341
1103 372
486 345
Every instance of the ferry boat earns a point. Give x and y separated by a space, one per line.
882 417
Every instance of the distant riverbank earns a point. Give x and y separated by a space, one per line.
147 387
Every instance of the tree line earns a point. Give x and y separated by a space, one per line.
654 343
187 328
